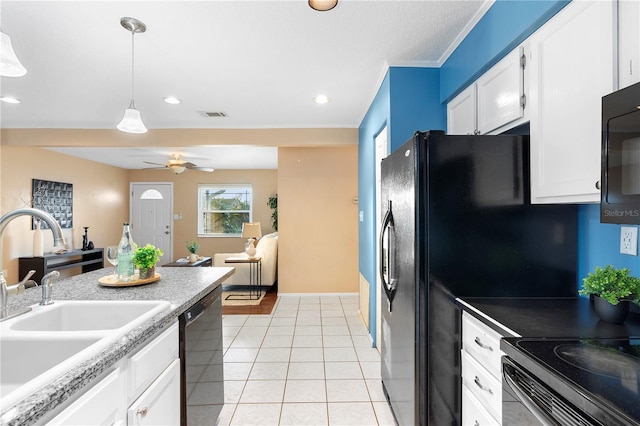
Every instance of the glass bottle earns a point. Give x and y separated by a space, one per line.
125 255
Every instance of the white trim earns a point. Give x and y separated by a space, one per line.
506 329
465 31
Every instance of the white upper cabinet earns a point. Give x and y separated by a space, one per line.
461 113
495 101
628 42
501 93
572 61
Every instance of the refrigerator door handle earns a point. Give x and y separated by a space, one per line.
387 256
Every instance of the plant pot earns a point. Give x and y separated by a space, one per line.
147 273
615 314
193 257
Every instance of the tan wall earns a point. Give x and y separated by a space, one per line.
99 200
185 197
318 220
318 245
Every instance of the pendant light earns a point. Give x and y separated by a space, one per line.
132 121
322 5
10 65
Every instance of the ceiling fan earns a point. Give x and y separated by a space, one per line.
177 165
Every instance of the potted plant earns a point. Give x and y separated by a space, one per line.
272 202
612 290
193 247
145 259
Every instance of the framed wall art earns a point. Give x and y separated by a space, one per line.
56 198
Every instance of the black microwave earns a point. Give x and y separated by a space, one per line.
620 187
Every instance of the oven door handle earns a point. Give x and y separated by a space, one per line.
528 402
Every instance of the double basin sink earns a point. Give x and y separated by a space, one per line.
39 346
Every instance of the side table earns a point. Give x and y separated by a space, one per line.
255 278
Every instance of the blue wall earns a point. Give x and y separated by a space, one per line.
599 244
406 101
411 99
374 121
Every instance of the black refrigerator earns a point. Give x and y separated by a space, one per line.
458 223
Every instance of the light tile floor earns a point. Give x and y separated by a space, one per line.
308 363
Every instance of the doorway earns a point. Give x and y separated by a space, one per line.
382 151
152 216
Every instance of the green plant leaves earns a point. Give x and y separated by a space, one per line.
611 284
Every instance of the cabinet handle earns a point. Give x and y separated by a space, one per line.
477 382
482 345
597 184
143 411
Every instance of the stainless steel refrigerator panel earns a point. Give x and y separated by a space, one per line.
398 305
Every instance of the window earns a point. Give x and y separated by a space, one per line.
222 209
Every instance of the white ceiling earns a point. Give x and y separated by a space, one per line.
260 62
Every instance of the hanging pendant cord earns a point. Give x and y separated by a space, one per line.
132 62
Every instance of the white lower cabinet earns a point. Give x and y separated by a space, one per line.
160 403
481 373
473 412
143 389
102 405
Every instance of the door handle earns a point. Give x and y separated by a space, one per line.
387 263
167 232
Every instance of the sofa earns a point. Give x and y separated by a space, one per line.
266 249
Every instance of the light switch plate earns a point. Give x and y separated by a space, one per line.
629 240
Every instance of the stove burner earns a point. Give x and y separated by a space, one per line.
604 360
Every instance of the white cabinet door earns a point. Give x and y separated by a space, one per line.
461 113
572 62
499 92
102 405
628 42
160 403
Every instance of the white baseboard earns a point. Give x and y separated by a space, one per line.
315 294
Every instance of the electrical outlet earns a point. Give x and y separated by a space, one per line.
629 240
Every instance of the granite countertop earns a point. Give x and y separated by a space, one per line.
547 317
182 287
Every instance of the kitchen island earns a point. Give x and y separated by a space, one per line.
182 287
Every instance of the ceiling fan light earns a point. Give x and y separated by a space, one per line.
132 121
10 65
177 169
322 5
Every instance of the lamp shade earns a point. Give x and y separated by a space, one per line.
251 230
10 65
132 121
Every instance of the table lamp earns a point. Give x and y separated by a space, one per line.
251 231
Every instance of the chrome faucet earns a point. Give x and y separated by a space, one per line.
58 239
47 288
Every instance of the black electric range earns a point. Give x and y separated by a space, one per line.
599 377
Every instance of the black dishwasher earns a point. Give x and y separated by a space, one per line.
201 351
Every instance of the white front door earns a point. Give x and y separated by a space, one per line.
152 216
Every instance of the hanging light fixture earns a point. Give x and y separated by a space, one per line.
10 65
322 5
132 121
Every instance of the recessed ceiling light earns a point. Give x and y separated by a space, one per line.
10 100
321 99
172 100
